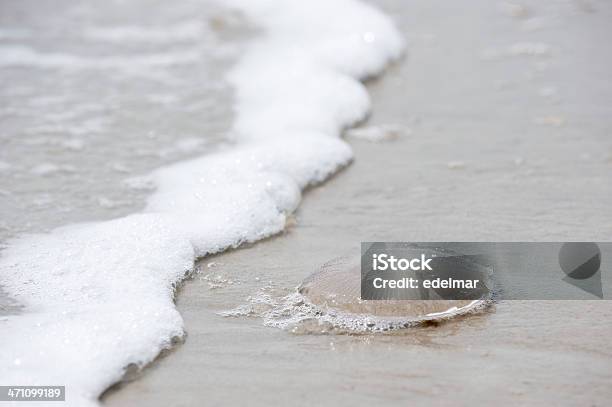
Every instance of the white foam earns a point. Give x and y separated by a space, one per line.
23 56
379 133
183 31
99 296
296 313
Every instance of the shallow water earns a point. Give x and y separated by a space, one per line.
95 94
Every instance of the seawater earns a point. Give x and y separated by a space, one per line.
97 296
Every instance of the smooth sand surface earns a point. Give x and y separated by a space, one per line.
508 141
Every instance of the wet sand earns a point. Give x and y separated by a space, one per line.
501 141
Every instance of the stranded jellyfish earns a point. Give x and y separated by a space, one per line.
335 291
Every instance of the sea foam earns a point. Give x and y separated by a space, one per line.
98 297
